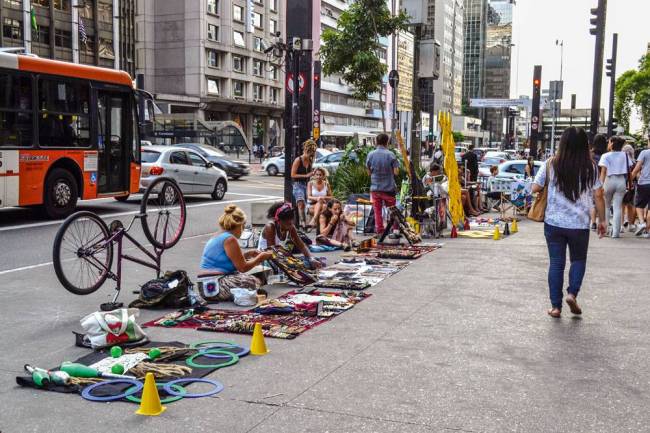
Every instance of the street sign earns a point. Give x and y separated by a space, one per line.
316 133
555 90
393 78
497 103
301 82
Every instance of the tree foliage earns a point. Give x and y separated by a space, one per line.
633 92
351 49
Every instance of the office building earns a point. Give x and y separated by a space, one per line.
448 24
92 32
204 61
475 33
498 56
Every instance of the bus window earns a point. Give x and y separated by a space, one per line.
64 114
15 110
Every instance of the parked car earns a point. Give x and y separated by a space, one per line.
459 151
516 169
484 166
274 166
497 154
331 162
193 173
234 169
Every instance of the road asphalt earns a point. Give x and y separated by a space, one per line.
458 341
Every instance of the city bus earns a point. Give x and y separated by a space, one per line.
67 132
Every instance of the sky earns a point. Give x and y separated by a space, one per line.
539 23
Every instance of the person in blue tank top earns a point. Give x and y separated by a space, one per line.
223 254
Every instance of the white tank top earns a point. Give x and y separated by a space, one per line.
263 245
316 193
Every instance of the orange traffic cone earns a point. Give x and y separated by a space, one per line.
258 345
454 232
150 404
466 225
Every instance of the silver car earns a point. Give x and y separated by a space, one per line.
275 165
193 173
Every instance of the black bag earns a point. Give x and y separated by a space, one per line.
170 291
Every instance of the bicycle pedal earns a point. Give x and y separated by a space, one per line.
110 306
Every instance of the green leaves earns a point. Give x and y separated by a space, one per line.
633 92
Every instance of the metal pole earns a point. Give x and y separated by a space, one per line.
553 107
598 68
612 86
393 124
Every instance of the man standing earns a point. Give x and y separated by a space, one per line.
471 159
382 166
642 196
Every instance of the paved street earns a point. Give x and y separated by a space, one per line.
459 341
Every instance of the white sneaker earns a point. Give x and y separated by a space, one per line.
646 236
640 229
632 228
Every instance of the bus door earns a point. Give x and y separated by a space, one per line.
113 141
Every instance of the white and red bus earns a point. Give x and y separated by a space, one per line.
67 132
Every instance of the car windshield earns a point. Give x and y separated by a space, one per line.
149 156
492 161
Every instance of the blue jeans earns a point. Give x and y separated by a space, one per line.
557 239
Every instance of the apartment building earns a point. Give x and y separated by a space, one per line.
206 58
449 32
93 32
475 31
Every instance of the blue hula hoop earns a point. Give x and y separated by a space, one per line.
137 386
218 387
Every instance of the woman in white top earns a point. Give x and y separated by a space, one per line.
319 193
613 175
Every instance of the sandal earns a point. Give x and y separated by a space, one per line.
573 304
554 312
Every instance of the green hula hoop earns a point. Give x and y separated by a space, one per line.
172 398
233 359
198 344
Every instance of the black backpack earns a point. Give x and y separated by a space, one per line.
158 293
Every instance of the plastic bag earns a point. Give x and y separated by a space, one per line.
244 297
108 328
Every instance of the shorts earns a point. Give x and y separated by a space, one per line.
299 191
642 196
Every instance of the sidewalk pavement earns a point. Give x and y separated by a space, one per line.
458 341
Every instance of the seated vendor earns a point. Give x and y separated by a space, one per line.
468 193
493 197
281 231
223 254
435 181
335 229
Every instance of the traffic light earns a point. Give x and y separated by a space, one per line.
598 18
609 67
614 122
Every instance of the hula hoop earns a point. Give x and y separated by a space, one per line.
137 386
233 359
198 344
218 387
241 351
170 399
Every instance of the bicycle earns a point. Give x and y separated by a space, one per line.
83 245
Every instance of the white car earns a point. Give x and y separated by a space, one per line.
497 154
331 162
193 173
274 166
459 151
516 169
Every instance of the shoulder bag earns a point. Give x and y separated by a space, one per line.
538 209
629 187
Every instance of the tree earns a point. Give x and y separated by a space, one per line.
458 137
351 49
633 92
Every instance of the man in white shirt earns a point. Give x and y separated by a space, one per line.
642 196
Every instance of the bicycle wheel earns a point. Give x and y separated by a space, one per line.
164 213
82 256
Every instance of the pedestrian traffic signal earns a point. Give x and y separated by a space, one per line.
614 122
598 19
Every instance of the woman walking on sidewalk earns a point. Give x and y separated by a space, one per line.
572 181
613 175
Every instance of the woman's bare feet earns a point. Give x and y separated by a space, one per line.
554 312
573 304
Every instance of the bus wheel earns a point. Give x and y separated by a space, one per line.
61 194
122 198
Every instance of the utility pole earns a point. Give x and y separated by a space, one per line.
416 121
611 73
598 21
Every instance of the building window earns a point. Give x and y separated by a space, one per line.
62 38
257 20
273 73
238 13
44 3
62 5
238 38
213 32
258 68
238 89
273 26
258 92
213 7
105 12
275 95
106 49
273 5
214 59
13 4
41 35
214 86
238 64
259 2
257 44
12 29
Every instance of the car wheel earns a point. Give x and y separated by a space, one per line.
236 177
272 170
61 194
219 190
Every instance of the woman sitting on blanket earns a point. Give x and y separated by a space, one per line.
282 232
319 193
223 254
335 229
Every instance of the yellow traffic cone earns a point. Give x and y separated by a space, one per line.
258 346
150 404
514 228
497 234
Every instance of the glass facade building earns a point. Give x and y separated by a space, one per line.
475 27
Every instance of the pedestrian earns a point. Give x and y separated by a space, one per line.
642 196
613 174
301 172
382 166
530 167
335 229
572 181
319 193
471 159
629 213
598 148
